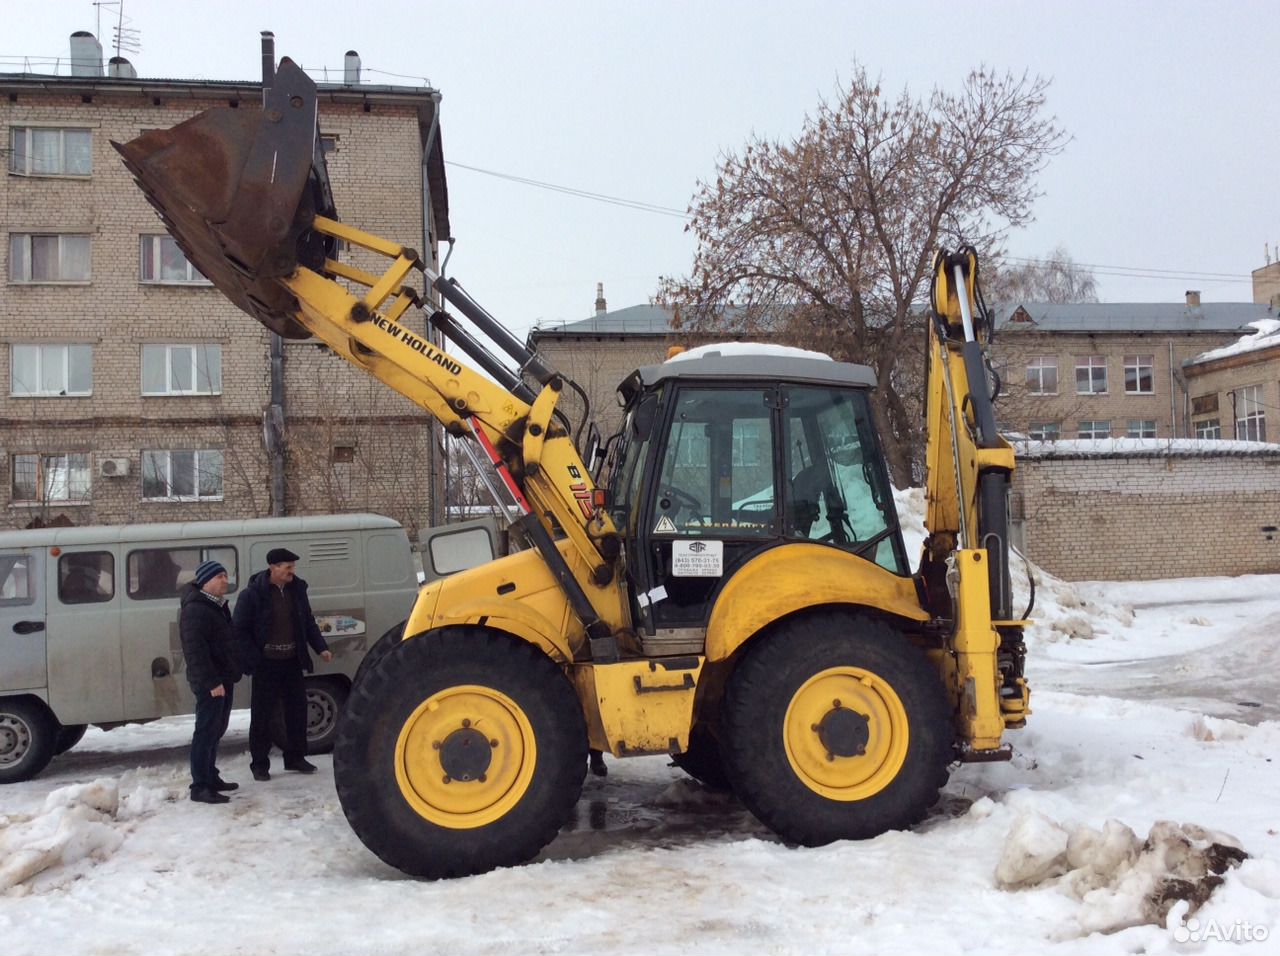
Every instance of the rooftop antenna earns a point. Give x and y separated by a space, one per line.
127 39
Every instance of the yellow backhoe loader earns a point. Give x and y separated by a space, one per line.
735 592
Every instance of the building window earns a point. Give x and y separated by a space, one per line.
328 143
182 370
1139 374
1042 375
1044 431
1251 419
41 151
1096 429
1142 428
48 258
61 478
187 475
1091 375
1209 428
162 262
50 370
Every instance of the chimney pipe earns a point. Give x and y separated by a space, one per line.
86 54
601 306
268 62
121 68
1193 298
351 75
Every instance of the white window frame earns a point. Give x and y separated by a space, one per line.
54 478
23 156
1093 429
1039 365
150 253
165 456
198 352
23 262
1090 365
1044 431
1209 429
1141 428
1137 364
1250 414
48 354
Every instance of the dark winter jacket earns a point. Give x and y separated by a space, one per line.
253 621
208 642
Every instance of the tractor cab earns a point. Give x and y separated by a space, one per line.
725 456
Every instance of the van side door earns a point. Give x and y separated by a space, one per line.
84 634
22 620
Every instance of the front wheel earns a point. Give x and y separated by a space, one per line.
460 751
28 737
836 727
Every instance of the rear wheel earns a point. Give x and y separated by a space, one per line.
68 737
836 727
460 751
325 699
28 735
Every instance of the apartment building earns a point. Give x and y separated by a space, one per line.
130 388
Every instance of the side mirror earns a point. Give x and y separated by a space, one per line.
592 452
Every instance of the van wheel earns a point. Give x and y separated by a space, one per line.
68 737
325 700
383 644
836 728
462 750
28 735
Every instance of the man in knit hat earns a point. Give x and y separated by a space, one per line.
208 644
274 625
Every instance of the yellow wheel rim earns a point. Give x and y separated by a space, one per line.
846 733
465 756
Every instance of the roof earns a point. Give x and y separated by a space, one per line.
191 530
1071 317
768 366
1083 317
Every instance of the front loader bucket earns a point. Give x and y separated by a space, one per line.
239 189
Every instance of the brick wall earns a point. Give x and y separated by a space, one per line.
376 173
1151 516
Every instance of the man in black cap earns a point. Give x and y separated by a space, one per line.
204 627
274 624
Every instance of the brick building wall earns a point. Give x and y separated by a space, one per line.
599 363
354 444
1186 511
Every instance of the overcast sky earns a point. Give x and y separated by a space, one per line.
1172 107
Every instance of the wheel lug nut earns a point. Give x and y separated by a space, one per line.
493 744
466 723
435 745
448 779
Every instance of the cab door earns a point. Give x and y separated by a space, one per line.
22 620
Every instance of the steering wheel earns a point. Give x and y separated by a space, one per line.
684 500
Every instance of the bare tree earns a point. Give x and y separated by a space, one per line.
1056 278
827 241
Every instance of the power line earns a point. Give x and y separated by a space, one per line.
580 193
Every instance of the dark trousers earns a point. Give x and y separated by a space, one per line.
212 715
277 682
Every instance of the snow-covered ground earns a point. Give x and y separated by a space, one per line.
1153 701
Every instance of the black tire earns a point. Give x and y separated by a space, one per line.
513 793
28 735
814 771
68 737
326 697
390 639
702 760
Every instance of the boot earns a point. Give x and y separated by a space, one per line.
208 795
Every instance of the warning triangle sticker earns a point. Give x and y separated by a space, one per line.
665 526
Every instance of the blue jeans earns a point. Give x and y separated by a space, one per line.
212 716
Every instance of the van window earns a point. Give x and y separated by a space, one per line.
15 580
86 577
160 572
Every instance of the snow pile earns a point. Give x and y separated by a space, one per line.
1119 880
728 349
77 822
1266 333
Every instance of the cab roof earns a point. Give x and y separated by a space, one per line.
746 368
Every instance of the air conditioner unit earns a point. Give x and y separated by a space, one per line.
113 467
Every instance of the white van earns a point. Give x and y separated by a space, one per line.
89 619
